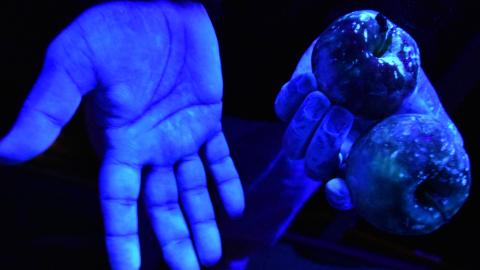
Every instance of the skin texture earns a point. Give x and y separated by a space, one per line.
150 76
364 178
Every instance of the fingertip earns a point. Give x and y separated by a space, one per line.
338 195
225 175
292 95
315 105
338 121
181 255
32 134
280 111
124 252
211 259
208 244
234 200
305 83
238 211
304 123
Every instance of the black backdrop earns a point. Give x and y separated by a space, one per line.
260 42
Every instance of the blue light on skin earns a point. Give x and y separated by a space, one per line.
150 76
149 105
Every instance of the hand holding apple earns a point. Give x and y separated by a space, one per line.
407 174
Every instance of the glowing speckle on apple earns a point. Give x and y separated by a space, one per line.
370 67
408 183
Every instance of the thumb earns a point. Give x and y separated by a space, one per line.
66 75
305 63
338 195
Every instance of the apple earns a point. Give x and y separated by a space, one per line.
366 64
408 175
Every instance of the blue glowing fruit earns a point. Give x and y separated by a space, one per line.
408 174
366 63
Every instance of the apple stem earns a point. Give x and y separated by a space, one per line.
385 34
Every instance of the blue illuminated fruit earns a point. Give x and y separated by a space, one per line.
408 174
366 63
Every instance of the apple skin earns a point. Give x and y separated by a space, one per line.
408 175
366 64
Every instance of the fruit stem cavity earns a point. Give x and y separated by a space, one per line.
426 196
385 35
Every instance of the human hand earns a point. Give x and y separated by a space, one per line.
151 79
316 126
376 79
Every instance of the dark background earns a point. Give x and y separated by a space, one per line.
51 200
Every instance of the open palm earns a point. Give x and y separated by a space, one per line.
151 78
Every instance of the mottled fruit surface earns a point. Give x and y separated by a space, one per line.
407 175
366 63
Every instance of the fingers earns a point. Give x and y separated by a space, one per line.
321 159
292 95
338 195
225 175
300 85
50 105
192 187
119 190
305 122
161 199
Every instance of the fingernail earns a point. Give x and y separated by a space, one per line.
316 105
338 121
306 83
338 194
